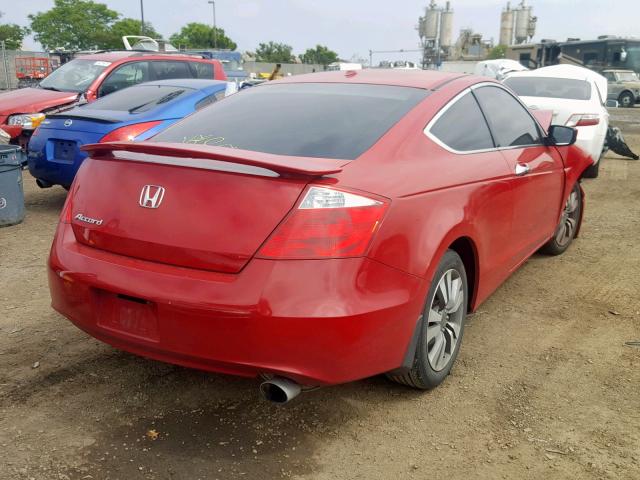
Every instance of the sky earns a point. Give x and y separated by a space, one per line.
353 27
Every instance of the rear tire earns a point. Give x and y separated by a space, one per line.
568 225
441 326
626 99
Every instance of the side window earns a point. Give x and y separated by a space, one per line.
511 124
462 126
171 69
125 76
202 70
610 76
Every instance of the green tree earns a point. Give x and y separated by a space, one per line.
274 52
12 35
499 51
127 26
320 55
200 35
74 25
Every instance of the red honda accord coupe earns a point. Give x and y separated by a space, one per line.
316 230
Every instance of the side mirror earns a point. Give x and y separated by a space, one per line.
612 104
562 136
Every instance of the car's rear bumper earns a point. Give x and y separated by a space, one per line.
52 171
590 141
316 321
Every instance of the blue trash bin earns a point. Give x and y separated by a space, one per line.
11 191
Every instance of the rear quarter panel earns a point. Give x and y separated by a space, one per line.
436 198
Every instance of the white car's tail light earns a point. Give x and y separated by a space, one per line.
583 120
327 223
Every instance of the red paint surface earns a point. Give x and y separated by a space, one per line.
205 299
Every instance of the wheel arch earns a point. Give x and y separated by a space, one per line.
626 90
466 248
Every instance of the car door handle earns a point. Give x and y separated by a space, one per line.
522 169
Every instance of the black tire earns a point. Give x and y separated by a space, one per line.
593 171
568 225
422 374
626 99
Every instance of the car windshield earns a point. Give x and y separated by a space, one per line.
324 120
138 99
75 76
627 76
550 87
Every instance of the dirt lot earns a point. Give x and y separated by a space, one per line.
545 386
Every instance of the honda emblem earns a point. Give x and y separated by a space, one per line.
151 196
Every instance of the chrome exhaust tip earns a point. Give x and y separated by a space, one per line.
280 390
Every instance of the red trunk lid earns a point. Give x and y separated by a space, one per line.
205 218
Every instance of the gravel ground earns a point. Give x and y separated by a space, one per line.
544 387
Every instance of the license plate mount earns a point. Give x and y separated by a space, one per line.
130 316
64 151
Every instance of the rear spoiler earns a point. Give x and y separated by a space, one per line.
307 166
80 116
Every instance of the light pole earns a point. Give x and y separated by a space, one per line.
215 35
142 15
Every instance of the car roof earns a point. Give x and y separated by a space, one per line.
194 83
125 54
561 71
427 79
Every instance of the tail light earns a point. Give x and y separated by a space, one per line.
583 120
327 223
129 132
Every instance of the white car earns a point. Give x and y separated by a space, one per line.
577 97
498 69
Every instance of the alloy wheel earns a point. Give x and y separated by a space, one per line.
569 221
444 321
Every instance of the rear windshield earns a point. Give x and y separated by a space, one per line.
302 119
138 99
550 87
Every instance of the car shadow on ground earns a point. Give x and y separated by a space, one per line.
43 200
165 421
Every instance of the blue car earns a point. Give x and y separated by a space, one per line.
135 113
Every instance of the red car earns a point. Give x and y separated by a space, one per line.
89 77
316 230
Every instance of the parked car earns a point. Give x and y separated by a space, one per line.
498 68
89 77
624 86
316 245
135 113
576 95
